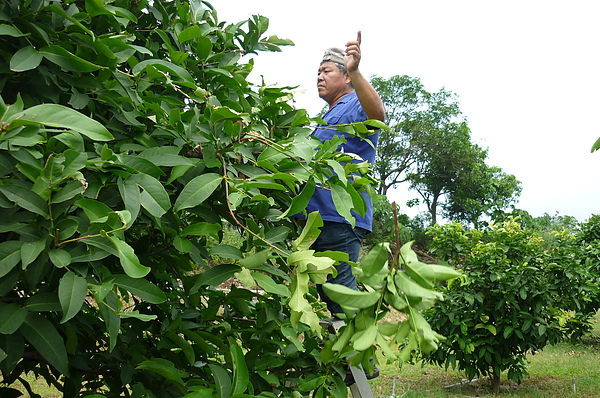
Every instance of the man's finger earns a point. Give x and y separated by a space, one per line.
358 37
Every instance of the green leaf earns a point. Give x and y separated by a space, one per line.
26 198
256 259
59 116
154 198
197 190
42 302
222 381
413 290
166 369
164 66
130 194
226 251
310 232
422 273
25 59
10 255
222 113
347 297
270 286
166 156
300 201
596 145
141 288
240 369
363 339
95 8
69 191
9 30
202 229
129 261
277 234
136 314
72 291
312 382
189 34
215 276
318 268
67 60
376 259
42 334
185 346
11 317
31 250
93 209
342 199
377 124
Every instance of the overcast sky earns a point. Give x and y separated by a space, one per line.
526 74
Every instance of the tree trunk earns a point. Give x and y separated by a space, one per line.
433 209
495 383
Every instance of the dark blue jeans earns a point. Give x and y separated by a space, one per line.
342 238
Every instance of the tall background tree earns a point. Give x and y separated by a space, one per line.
429 148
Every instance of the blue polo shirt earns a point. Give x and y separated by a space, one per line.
346 110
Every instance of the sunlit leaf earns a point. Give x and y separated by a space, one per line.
164 66
596 145
129 261
270 286
197 190
59 116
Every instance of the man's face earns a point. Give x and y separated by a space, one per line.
331 82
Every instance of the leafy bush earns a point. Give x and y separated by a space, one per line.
519 298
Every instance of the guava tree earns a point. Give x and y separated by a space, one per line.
130 141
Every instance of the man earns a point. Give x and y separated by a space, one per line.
351 98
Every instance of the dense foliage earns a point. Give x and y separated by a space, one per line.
520 296
130 141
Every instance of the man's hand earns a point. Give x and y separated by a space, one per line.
352 59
